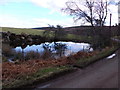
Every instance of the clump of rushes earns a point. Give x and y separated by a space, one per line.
7 50
46 55
26 56
4 59
18 56
32 55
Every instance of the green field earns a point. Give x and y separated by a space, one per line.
23 30
36 32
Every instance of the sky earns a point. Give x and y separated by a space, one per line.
40 13
119 11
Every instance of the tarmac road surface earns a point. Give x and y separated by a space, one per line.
102 74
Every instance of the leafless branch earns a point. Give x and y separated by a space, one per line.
95 12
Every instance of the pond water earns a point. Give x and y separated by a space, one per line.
66 47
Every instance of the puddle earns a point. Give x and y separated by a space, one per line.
111 56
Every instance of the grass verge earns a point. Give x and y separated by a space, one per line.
40 76
117 37
23 30
48 73
81 63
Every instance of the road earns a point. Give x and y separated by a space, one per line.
102 74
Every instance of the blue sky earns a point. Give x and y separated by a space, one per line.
38 13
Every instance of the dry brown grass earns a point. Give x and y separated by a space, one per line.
12 71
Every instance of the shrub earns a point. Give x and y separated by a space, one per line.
7 50
4 59
46 55
32 55
27 56
19 56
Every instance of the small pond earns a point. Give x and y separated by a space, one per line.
66 48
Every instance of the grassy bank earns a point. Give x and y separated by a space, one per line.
46 73
22 30
40 76
117 37
40 32
99 55
33 71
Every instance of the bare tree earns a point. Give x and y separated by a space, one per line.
93 12
101 11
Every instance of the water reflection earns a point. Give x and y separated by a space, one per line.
63 48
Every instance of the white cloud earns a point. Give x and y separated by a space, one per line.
119 7
54 6
50 3
43 22
4 2
114 11
14 21
61 3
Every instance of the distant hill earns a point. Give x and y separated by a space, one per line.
43 28
80 30
64 27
